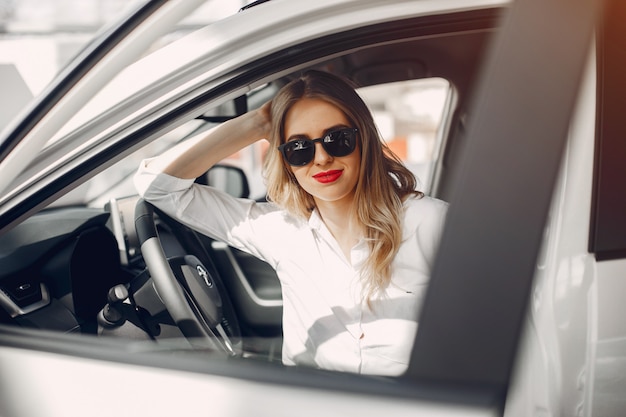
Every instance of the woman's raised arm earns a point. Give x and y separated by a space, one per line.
193 158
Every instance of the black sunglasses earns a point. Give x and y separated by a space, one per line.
300 152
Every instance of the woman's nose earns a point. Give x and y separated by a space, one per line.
321 156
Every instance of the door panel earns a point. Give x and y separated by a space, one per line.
253 286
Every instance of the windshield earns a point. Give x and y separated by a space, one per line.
38 38
106 91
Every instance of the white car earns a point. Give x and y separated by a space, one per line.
511 112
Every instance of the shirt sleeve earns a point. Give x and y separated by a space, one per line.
239 222
428 216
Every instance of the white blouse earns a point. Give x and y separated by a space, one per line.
326 323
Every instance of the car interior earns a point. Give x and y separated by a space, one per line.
78 268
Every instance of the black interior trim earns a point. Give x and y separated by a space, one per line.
29 241
607 235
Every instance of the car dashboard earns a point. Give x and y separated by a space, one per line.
60 268
80 270
56 269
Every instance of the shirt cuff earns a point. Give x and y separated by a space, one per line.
150 183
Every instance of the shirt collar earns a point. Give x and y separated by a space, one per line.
317 224
315 220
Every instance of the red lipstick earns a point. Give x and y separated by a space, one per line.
328 176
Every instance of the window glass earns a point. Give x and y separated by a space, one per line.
411 118
53 32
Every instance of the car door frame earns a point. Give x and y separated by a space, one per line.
462 357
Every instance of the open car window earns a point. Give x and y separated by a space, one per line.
413 117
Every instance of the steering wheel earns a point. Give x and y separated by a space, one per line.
189 290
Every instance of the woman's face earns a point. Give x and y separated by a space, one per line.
326 178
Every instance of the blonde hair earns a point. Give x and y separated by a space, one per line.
384 182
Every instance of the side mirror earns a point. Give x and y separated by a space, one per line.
227 178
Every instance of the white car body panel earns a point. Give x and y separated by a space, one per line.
550 370
175 393
575 337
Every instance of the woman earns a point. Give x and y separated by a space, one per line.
351 240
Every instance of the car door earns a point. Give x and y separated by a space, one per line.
471 320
